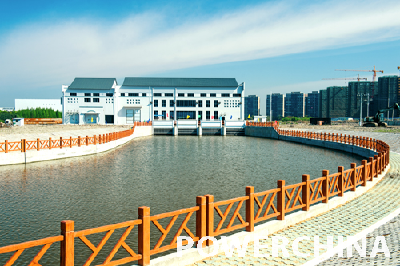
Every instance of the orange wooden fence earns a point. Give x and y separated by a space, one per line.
38 144
258 207
43 121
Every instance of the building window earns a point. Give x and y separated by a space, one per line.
237 95
169 95
200 116
186 103
190 95
96 100
207 115
109 94
155 115
181 95
96 94
171 103
87 100
123 94
164 103
88 94
203 94
207 103
200 103
225 95
155 103
157 94
72 94
164 115
133 94
143 94
215 115
213 95
171 115
215 103
186 115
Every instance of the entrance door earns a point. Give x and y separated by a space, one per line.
129 116
91 118
137 115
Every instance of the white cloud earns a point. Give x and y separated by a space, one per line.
52 53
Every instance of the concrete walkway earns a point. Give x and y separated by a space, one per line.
346 220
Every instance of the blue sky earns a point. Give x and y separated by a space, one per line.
273 46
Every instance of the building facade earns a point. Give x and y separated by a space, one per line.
54 104
388 94
103 101
252 106
275 106
294 104
333 102
369 93
312 104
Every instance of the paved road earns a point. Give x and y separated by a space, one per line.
346 220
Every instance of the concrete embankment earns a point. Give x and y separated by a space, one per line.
53 154
269 132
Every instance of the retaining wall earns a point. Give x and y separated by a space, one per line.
46 154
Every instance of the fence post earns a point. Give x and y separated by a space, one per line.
6 146
371 170
61 143
38 144
305 194
70 141
364 173
340 181
23 145
325 186
250 208
144 236
376 165
67 245
379 163
49 143
201 221
353 176
281 200
95 139
210 217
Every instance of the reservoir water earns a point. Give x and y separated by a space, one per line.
162 172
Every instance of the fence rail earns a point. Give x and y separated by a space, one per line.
259 206
40 144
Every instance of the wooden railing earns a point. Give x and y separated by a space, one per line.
43 121
240 212
40 144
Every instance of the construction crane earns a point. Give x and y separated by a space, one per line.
373 77
358 78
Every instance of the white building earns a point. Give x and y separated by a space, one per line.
54 104
103 101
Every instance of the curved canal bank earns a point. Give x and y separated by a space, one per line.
220 137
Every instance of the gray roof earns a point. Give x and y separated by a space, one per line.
92 83
180 82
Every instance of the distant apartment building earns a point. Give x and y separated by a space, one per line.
54 104
294 104
251 106
388 94
275 106
368 91
333 102
312 104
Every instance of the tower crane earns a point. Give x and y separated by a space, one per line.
358 78
373 77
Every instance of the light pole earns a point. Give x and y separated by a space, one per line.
361 98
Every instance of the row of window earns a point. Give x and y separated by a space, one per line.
185 115
132 94
186 103
95 100
91 94
231 103
192 95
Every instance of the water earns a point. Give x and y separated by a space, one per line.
162 172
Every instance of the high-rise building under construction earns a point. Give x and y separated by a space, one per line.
388 94
275 106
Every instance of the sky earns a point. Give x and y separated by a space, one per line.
272 46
